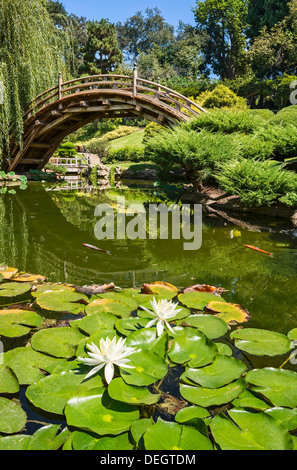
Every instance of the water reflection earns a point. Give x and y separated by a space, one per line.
43 228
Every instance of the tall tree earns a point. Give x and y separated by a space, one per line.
265 13
224 24
102 52
31 55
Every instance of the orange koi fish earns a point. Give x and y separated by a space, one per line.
258 249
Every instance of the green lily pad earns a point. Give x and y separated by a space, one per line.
161 289
192 347
125 296
198 300
49 288
117 307
190 415
8 381
250 399
53 392
27 364
64 300
15 323
12 416
16 442
261 342
58 342
131 394
172 436
285 416
48 438
250 431
126 326
87 441
94 411
93 323
138 429
206 397
213 327
148 368
278 385
221 372
147 338
14 289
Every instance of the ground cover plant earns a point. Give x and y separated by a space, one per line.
102 365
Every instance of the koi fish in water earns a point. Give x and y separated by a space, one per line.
258 249
92 247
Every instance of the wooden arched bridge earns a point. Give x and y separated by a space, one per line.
69 106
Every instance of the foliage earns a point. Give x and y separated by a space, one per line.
221 97
265 13
226 121
285 116
257 182
66 150
125 154
98 146
151 130
218 401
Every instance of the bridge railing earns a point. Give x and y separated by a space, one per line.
133 85
72 162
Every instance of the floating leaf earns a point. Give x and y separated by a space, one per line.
147 338
222 371
29 278
14 323
94 411
62 301
212 327
86 441
172 436
278 385
231 313
50 287
13 289
125 296
17 442
48 438
212 397
97 321
193 347
250 399
52 393
117 307
138 429
12 416
162 289
27 364
126 326
285 416
250 431
205 288
131 394
261 342
8 273
8 381
194 416
148 368
197 300
58 342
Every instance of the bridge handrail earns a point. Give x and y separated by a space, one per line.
133 83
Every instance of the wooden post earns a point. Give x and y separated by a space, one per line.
60 86
135 77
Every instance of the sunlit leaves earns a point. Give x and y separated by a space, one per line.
15 323
231 313
14 289
261 342
57 342
12 416
197 300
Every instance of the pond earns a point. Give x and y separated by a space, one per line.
44 228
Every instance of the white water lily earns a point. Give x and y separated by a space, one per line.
164 310
109 354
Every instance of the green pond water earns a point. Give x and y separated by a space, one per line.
43 228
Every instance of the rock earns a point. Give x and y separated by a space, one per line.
103 171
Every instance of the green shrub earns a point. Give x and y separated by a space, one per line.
221 97
98 146
125 154
66 150
120 131
226 121
265 114
199 153
257 183
286 116
151 130
255 146
283 138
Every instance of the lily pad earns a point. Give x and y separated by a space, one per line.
12 416
49 288
87 441
13 289
146 338
206 397
250 399
192 347
166 435
16 442
126 326
15 323
58 342
62 301
131 394
162 289
52 393
250 431
221 372
94 411
231 313
8 272
261 342
27 277
48 438
278 385
212 327
97 321
8 381
125 296
117 307
148 368
197 300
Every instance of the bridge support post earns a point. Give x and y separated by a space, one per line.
60 81
135 77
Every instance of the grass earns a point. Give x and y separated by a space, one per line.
132 140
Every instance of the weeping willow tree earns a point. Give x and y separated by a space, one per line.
32 52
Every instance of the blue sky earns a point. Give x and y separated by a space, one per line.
120 10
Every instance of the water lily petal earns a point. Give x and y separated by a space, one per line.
94 371
160 327
109 372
